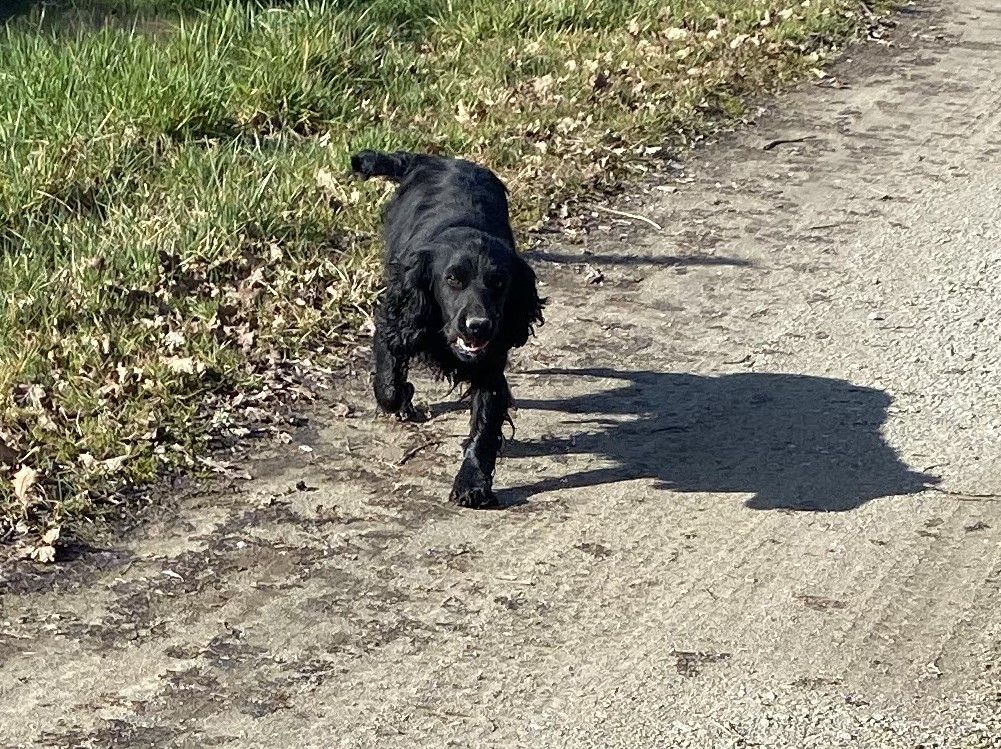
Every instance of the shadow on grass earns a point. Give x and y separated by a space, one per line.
794 442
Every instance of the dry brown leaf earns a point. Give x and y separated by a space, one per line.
246 340
341 410
183 365
23 480
114 464
326 180
50 536
174 339
250 287
44 554
34 395
542 85
46 423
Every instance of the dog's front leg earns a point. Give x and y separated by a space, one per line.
392 391
473 484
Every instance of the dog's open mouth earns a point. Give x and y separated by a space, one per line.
470 346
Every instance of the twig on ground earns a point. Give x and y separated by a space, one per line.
409 454
783 141
967 496
624 214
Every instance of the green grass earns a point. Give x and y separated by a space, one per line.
175 214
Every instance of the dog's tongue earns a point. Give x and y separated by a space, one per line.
470 344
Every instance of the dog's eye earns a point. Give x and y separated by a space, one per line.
452 280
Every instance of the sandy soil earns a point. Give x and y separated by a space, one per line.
752 499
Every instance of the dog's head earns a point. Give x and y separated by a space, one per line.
485 296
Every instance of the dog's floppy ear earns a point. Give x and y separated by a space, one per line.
523 308
408 301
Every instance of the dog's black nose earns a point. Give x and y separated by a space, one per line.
479 327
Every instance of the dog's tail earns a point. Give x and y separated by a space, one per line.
393 166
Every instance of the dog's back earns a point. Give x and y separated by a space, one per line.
393 166
436 194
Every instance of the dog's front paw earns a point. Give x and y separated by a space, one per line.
409 412
470 490
400 404
474 497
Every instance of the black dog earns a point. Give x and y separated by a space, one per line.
458 297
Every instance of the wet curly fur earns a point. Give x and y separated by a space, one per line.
457 297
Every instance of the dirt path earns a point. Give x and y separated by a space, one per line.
742 493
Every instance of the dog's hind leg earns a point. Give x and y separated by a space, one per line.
392 391
473 486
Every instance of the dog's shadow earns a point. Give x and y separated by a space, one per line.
795 442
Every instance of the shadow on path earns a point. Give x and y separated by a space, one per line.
795 442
